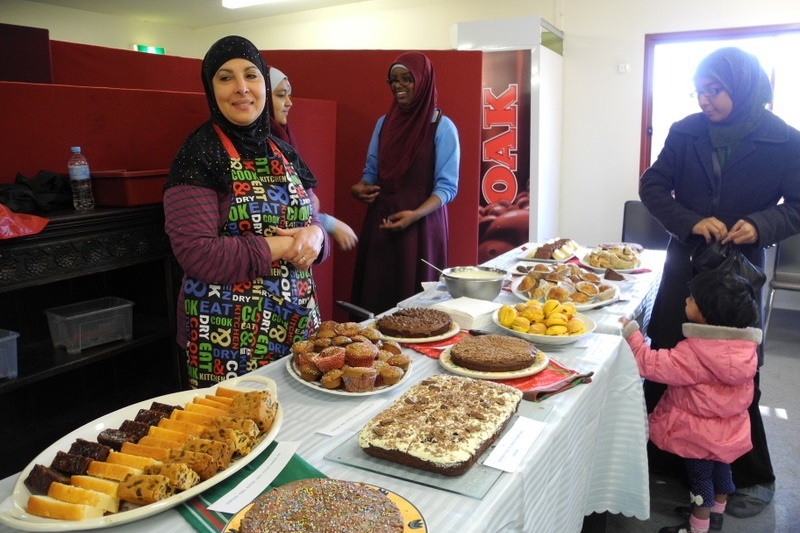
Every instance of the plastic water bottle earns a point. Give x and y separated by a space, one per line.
81 180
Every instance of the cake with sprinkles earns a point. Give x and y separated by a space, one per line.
322 504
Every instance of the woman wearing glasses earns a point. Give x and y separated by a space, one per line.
411 174
720 177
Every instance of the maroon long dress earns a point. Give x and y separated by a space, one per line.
388 267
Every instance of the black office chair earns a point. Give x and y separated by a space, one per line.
640 227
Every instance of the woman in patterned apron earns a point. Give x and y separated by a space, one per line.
239 214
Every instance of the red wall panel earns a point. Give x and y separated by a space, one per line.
98 66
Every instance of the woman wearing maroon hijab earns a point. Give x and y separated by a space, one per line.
279 105
411 174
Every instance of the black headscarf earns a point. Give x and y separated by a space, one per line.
748 86
253 136
202 160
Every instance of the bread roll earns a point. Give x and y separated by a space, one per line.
51 508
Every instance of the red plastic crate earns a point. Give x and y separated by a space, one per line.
127 188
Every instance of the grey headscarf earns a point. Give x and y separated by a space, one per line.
746 83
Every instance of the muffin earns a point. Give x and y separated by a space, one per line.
379 365
308 371
332 379
341 340
391 374
399 359
348 329
320 343
391 346
325 332
359 378
360 353
372 334
330 358
302 351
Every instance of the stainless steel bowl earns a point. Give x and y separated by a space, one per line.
483 283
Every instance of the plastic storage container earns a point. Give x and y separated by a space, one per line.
128 188
83 325
8 353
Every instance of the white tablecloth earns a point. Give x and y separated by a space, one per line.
590 457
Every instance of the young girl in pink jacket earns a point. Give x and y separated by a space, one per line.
702 417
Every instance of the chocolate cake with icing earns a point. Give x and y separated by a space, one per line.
493 353
415 323
323 505
442 424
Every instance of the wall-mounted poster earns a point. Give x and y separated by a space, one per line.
504 210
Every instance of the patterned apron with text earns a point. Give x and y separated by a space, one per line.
235 328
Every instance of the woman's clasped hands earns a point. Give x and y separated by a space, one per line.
301 248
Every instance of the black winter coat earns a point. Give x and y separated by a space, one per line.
680 189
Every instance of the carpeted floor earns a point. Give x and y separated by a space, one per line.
780 408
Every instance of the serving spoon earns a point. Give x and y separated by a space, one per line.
439 270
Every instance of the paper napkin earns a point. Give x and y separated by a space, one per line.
469 313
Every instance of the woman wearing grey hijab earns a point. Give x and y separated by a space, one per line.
730 173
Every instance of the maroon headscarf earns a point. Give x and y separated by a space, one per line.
407 127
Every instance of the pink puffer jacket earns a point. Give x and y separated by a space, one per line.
709 378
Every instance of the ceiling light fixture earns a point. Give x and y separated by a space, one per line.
236 4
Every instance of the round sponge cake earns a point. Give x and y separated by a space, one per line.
493 353
415 323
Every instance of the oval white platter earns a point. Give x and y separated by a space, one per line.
341 392
19 519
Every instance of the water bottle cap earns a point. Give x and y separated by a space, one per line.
75 149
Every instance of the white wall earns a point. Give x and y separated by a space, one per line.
602 109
